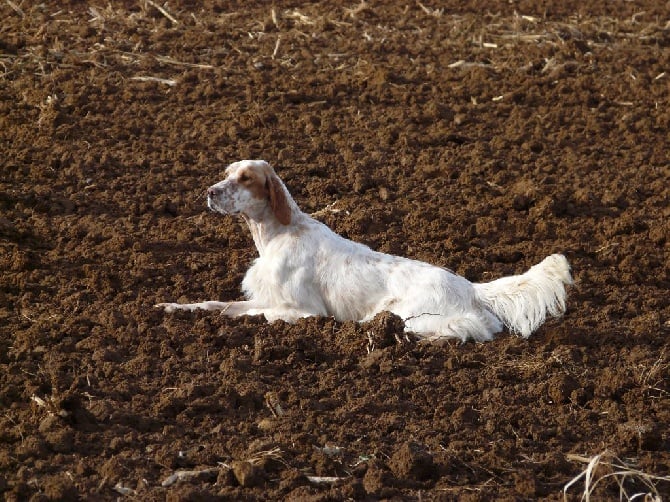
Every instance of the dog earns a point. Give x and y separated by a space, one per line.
305 269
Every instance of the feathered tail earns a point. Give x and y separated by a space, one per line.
522 302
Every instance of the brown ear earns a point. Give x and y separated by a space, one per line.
278 201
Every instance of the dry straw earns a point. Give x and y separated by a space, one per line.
607 468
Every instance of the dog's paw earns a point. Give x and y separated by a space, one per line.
168 307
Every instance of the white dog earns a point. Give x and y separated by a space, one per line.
305 269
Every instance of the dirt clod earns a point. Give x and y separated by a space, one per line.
247 474
412 461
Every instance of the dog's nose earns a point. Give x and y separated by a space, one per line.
213 191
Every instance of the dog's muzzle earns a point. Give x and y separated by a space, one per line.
213 198
220 200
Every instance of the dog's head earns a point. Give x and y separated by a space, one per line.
250 188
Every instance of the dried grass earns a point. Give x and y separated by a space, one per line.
163 11
275 454
606 469
16 8
494 39
654 379
167 81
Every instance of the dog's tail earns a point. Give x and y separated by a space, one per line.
522 302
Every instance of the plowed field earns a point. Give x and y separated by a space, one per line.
478 136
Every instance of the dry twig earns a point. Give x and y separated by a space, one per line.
618 471
184 475
162 11
16 8
166 81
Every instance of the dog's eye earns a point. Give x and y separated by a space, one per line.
243 178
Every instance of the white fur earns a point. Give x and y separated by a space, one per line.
305 269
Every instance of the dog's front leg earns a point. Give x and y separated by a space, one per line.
172 307
231 309
235 309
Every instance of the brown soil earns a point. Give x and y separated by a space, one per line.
481 136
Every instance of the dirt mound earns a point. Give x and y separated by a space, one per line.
480 137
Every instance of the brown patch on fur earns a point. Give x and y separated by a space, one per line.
253 179
263 183
278 201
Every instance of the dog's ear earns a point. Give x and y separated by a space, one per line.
278 201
